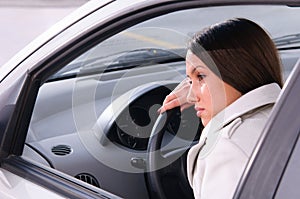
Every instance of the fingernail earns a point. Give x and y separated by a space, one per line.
159 110
162 109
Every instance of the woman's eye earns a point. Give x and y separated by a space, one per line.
201 76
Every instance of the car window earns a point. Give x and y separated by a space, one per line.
92 119
288 187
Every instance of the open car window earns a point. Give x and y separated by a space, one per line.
92 119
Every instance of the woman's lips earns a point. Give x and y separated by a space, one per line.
199 111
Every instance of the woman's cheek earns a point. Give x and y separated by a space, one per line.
206 95
214 101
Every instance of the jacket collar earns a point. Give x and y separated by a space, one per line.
261 96
252 100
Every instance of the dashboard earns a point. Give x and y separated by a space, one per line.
104 143
120 129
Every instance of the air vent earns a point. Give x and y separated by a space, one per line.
61 150
88 178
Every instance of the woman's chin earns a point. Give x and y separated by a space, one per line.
204 121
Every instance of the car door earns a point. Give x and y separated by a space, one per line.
14 186
20 86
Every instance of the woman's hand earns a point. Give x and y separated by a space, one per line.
178 97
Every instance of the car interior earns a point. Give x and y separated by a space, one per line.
95 118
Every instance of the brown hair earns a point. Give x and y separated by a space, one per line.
243 54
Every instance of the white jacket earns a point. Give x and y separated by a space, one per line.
216 163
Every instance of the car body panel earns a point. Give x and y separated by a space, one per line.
14 186
23 75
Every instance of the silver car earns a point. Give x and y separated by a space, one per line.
78 106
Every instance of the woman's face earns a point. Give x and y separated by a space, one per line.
207 91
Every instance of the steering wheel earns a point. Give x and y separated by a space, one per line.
167 175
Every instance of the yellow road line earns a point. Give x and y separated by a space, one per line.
151 40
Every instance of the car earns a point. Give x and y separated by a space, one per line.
78 106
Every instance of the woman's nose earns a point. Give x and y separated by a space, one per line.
192 96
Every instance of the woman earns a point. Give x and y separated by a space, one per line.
233 79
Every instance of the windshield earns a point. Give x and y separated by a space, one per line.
165 37
120 61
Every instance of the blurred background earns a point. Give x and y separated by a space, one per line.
23 20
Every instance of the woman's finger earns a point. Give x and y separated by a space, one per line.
185 106
169 105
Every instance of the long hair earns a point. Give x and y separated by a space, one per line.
243 53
